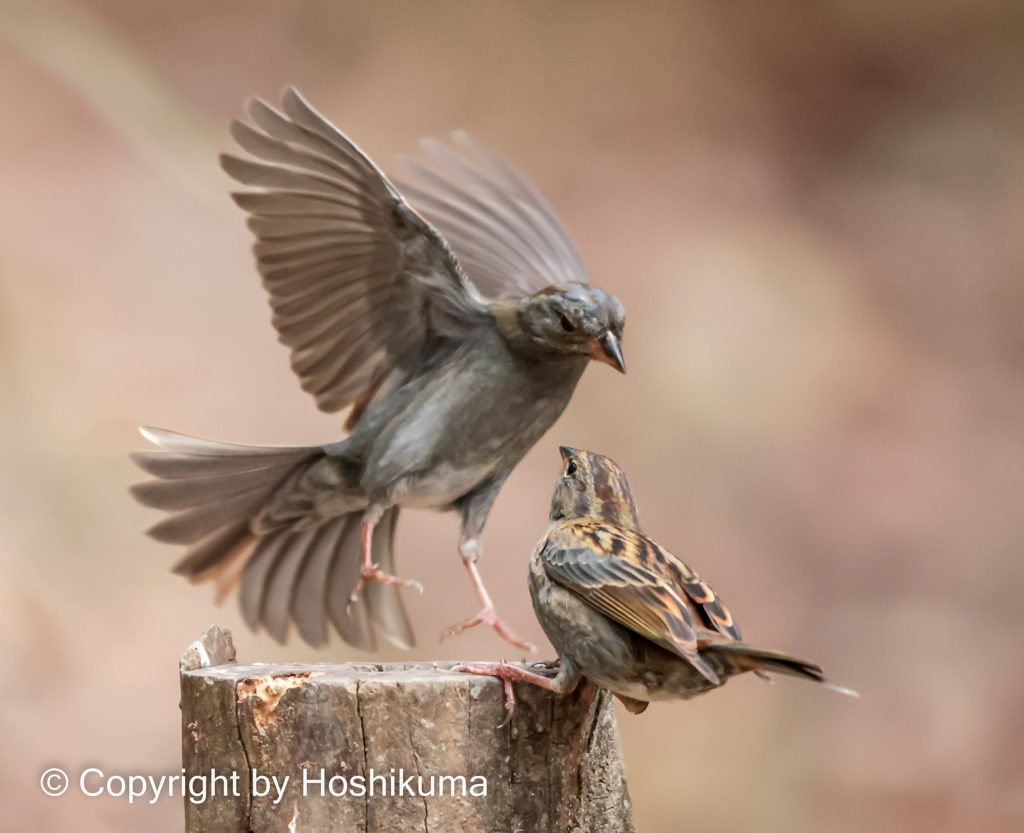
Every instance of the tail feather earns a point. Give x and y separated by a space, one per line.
352 622
387 610
214 491
307 576
208 485
255 577
193 525
193 447
309 596
277 601
749 658
174 465
204 556
188 492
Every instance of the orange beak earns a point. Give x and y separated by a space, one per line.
608 350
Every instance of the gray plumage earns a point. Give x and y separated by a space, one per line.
455 354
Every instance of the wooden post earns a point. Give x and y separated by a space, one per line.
363 746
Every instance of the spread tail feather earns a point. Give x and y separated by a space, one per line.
749 658
215 490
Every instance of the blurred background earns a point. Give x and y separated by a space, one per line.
814 216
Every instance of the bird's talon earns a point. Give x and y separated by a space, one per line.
374 573
499 670
510 703
488 616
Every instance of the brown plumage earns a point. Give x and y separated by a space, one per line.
624 612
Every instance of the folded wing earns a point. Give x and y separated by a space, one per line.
606 571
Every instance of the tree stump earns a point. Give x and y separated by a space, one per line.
390 747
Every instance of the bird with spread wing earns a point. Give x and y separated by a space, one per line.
623 611
455 318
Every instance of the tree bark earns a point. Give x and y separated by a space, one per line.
400 731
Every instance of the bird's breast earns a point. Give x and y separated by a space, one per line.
438 486
472 421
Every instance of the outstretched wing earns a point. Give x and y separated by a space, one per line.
609 569
504 234
360 285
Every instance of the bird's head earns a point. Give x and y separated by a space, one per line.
575 319
592 486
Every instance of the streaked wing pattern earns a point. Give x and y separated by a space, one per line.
623 589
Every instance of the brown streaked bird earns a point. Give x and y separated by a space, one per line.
455 320
623 611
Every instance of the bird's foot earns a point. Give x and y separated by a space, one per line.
488 616
371 572
506 673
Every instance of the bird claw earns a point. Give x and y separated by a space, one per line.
501 671
488 616
372 572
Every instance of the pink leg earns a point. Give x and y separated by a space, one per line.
507 673
368 571
487 615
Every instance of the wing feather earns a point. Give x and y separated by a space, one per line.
357 280
507 238
625 590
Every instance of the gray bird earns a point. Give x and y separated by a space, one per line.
456 321
624 612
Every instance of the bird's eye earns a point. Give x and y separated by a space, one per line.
571 470
567 324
